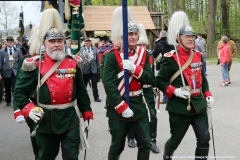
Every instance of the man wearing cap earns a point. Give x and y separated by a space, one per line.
201 41
188 90
91 66
9 59
68 41
60 94
162 47
148 92
136 114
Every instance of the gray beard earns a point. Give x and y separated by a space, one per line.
56 55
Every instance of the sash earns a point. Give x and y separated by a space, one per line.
140 51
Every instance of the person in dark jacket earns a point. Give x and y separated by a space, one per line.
162 47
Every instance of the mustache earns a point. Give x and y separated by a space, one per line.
56 48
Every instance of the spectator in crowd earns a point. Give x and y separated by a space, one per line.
233 52
162 47
68 41
201 42
24 48
82 42
91 67
106 46
17 44
3 46
9 58
224 59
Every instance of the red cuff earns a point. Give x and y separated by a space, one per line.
137 72
17 113
207 93
87 114
26 109
169 91
121 107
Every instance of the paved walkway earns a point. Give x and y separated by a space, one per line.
15 143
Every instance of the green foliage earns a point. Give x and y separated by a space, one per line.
197 10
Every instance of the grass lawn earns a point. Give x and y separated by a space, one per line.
213 60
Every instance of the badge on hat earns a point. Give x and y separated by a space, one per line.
132 27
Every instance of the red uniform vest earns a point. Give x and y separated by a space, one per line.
61 89
193 73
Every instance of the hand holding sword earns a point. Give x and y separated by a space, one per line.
36 114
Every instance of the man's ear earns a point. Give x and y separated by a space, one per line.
177 39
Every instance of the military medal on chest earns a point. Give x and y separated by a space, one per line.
65 73
194 81
196 66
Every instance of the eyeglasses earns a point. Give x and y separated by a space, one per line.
189 36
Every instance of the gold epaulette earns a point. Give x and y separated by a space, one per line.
78 59
169 54
29 64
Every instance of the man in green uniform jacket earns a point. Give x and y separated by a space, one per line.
186 105
149 95
136 113
59 96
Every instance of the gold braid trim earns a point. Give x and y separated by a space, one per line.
29 64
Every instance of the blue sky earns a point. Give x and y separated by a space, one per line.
31 10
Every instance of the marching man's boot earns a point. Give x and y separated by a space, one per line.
131 142
154 147
168 152
112 157
143 155
201 153
153 134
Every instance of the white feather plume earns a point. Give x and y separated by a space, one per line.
33 30
50 18
117 23
178 20
142 34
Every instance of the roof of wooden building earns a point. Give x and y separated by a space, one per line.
99 18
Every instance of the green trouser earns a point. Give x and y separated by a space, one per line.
119 130
33 139
179 125
49 145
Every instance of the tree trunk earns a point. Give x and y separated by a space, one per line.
177 5
120 2
135 2
225 21
170 7
183 5
211 21
104 2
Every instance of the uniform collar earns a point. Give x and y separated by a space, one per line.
183 51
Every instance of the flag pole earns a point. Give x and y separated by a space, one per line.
125 44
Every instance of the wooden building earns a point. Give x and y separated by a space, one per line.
98 21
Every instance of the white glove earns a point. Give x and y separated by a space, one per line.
20 119
35 116
128 65
180 93
88 124
209 101
127 113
